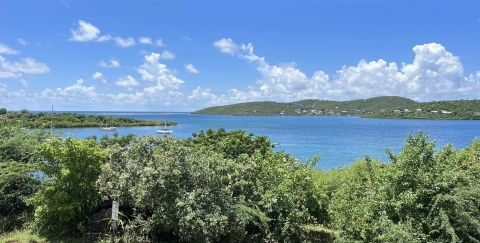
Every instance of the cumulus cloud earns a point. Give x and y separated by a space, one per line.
153 70
167 55
84 32
434 73
159 42
22 41
111 64
99 77
4 49
26 65
127 81
191 69
226 46
127 42
145 40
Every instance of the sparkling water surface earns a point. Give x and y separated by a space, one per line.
339 140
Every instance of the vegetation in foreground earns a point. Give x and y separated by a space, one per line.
378 107
229 186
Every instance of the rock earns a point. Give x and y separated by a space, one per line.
100 222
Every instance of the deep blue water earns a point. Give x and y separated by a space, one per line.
339 140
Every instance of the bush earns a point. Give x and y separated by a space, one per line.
194 192
17 185
69 195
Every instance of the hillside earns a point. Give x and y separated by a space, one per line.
378 107
310 106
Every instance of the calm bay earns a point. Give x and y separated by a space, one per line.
339 140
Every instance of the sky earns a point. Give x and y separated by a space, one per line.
187 55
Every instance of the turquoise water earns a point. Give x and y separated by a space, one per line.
338 140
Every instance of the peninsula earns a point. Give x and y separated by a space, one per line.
27 119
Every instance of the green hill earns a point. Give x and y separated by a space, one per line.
310 106
378 107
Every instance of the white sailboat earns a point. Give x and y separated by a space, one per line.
106 128
165 130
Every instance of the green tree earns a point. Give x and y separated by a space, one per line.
3 111
229 143
69 195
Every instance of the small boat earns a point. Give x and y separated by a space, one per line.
112 128
165 130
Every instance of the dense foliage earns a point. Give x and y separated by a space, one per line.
230 186
69 195
423 195
67 119
188 191
17 185
17 182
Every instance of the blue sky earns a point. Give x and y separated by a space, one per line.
187 55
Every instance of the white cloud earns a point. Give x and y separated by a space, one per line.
124 42
84 32
99 77
145 40
22 41
152 70
9 75
226 46
106 37
4 49
27 65
159 42
75 94
434 74
167 55
190 68
127 81
112 64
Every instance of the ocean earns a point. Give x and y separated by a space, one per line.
338 140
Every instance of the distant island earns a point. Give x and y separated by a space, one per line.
394 107
26 119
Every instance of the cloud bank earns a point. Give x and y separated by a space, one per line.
433 74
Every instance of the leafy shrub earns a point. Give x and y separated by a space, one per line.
194 192
69 195
17 185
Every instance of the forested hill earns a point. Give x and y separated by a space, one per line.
310 106
378 107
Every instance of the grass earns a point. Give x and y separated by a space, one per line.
23 236
26 236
